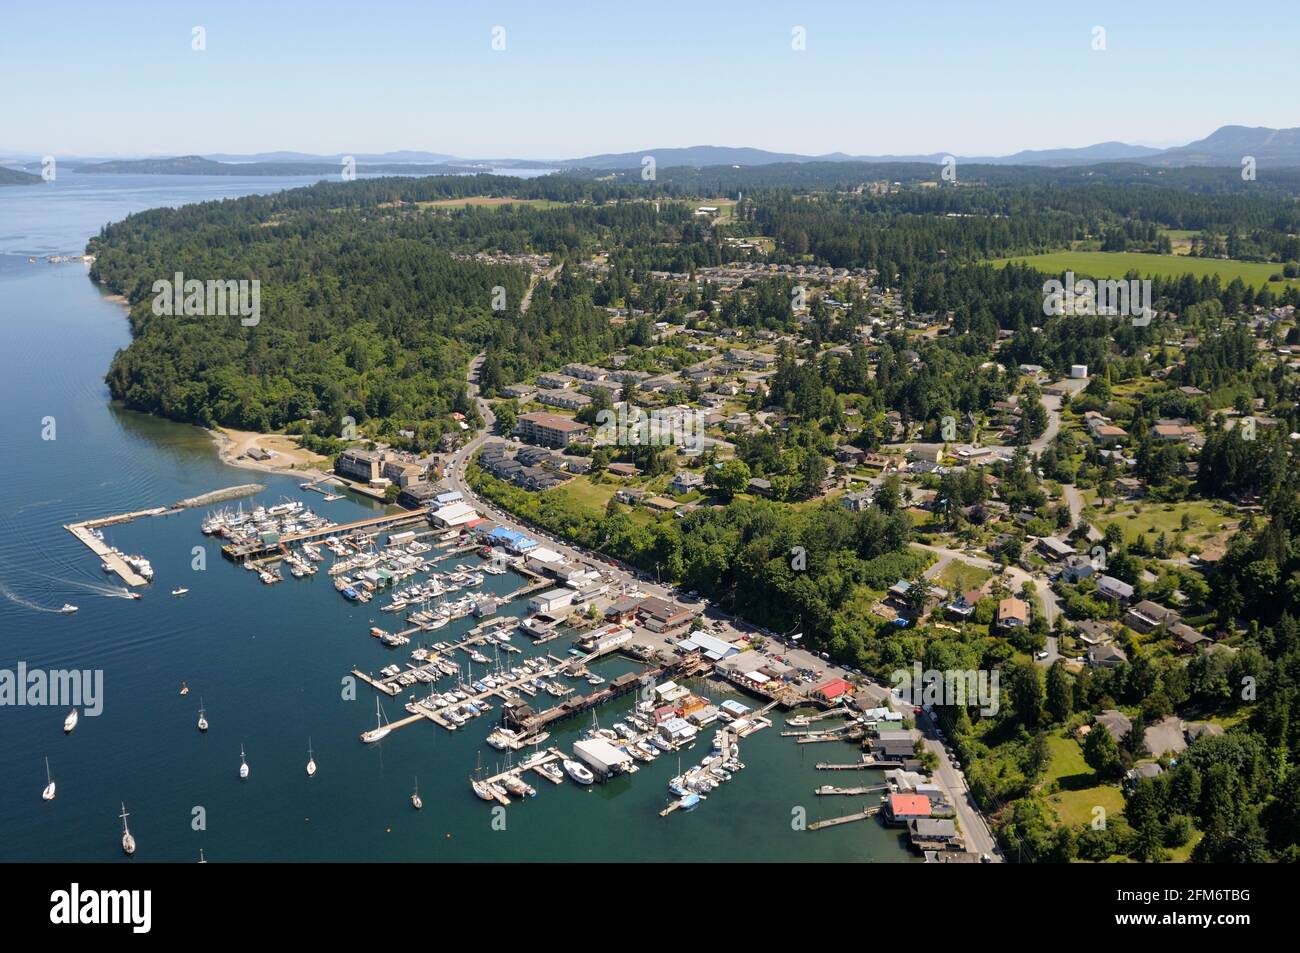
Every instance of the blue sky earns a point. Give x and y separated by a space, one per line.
580 78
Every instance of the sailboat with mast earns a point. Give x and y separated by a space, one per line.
415 797
311 761
128 842
48 793
381 729
203 717
243 765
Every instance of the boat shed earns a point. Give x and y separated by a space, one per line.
713 648
602 757
453 514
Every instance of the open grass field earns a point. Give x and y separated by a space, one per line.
1206 525
1079 791
489 202
1100 264
593 496
969 577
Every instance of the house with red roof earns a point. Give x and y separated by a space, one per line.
902 808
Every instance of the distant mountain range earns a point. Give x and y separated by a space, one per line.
1223 147
1277 148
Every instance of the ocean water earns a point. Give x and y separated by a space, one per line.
268 661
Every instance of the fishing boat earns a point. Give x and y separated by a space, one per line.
68 608
578 771
48 793
380 731
311 761
415 796
203 717
70 722
243 765
128 842
179 592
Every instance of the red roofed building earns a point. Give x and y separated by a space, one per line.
829 691
901 808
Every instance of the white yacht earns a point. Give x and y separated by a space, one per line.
203 717
311 761
381 729
578 771
70 722
48 793
179 592
68 608
243 765
415 797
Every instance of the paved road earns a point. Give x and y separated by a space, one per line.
973 825
1074 500
1053 407
979 839
1013 576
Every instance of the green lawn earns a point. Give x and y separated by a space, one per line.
1079 793
971 577
1156 518
593 496
1100 264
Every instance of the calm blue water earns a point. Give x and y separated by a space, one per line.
267 660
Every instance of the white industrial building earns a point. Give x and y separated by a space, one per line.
551 600
453 514
602 757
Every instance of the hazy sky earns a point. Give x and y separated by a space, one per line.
579 78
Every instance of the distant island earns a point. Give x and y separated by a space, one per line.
198 165
17 177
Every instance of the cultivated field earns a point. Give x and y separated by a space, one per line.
1101 264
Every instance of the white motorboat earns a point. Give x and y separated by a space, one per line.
68 608
48 793
381 729
578 772
70 722
179 592
243 765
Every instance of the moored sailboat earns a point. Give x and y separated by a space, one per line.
128 842
48 793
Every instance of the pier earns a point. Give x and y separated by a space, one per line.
846 819
84 530
827 789
237 552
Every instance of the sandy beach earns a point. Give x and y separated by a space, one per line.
234 445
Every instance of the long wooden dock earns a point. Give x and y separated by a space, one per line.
846 819
826 789
240 551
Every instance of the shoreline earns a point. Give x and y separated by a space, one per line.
232 445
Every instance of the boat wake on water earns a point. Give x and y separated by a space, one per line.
25 603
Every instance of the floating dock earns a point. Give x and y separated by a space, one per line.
238 552
846 819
